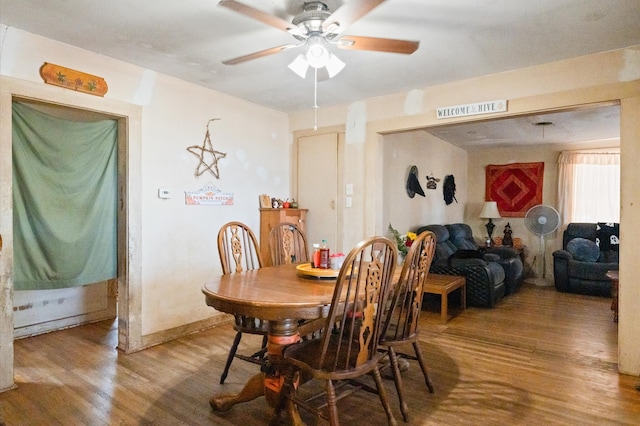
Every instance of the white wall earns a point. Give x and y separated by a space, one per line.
432 156
179 240
177 246
176 243
612 76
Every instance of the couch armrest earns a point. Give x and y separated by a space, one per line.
503 252
562 254
481 291
491 257
561 260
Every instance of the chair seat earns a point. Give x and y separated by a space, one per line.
239 252
251 325
304 355
403 313
393 337
347 347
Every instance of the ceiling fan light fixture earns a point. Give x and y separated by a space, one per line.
317 54
299 65
334 65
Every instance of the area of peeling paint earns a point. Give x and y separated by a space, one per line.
630 65
356 125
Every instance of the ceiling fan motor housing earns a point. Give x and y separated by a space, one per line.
311 19
316 26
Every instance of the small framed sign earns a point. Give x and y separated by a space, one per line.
265 201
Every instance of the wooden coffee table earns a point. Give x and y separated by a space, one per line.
443 285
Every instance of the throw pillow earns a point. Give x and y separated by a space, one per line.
608 236
583 250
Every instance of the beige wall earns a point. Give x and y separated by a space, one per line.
479 158
172 245
605 77
432 156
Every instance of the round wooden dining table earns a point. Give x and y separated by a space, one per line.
282 296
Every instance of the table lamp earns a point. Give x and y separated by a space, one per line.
490 211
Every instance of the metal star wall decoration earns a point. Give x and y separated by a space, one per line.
206 152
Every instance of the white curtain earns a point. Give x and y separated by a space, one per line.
589 186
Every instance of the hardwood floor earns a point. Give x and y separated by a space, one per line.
539 357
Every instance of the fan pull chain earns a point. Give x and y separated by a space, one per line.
315 99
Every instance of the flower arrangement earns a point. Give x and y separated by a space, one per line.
402 241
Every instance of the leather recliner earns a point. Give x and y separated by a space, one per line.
484 276
589 251
461 235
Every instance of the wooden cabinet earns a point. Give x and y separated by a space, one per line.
271 217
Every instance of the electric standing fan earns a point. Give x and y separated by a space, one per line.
542 220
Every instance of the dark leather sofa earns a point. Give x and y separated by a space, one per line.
589 251
461 236
485 278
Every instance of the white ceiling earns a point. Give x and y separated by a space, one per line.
590 124
459 39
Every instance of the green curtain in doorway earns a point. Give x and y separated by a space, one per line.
64 200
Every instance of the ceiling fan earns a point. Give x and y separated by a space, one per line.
315 27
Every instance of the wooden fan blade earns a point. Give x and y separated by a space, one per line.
348 13
260 54
378 44
261 16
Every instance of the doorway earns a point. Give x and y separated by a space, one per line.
41 311
129 226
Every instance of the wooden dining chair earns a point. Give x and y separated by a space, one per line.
348 346
239 252
401 325
288 244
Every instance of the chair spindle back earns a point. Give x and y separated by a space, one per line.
356 312
288 244
238 248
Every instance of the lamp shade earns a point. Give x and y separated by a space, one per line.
334 65
317 54
490 210
299 65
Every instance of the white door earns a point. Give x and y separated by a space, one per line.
318 187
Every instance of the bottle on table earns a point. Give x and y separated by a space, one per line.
325 258
315 260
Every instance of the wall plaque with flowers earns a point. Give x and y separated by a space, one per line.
72 79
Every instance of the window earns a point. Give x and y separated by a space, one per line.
589 186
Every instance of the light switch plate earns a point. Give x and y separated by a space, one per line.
348 202
164 193
348 189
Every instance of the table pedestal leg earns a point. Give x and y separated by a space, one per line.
281 334
251 390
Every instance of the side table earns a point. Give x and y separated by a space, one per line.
614 293
443 285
